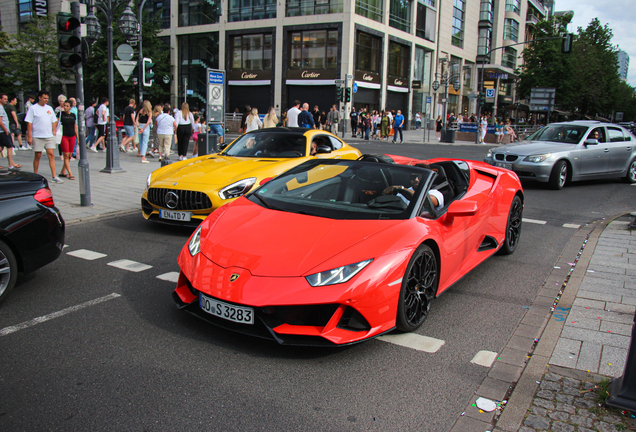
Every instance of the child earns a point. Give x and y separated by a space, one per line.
196 127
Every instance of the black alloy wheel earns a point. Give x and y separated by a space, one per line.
419 287
8 270
513 228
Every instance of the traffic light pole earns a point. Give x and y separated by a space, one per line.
140 68
82 165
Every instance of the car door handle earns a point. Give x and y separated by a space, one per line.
629 149
606 150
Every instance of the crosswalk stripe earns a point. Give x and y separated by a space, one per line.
534 221
414 341
571 226
484 358
129 265
86 254
170 277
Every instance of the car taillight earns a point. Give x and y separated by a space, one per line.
44 197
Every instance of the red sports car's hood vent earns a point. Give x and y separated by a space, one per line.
290 245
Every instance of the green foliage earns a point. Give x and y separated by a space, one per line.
96 71
22 72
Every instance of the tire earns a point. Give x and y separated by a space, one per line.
8 270
513 227
559 175
630 177
419 287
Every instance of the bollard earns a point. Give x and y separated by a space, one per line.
622 392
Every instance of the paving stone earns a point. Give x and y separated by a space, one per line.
538 411
565 399
589 356
584 403
493 389
589 385
505 372
613 361
571 382
598 295
545 394
566 352
526 429
589 396
544 403
606 427
584 429
609 418
586 303
616 328
587 414
537 422
550 385
564 407
619 341
562 427
622 308
574 391
582 421
552 377
559 415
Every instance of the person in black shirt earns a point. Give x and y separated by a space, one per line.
317 116
354 122
129 126
69 138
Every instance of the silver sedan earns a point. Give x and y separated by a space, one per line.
570 151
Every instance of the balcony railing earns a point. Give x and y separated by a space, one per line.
532 19
364 9
313 7
399 23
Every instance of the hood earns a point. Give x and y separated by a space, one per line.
218 170
528 148
279 244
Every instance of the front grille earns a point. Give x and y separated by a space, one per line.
186 200
507 158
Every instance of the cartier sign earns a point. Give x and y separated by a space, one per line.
307 74
369 77
247 75
398 82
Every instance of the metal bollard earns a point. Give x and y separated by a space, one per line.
623 390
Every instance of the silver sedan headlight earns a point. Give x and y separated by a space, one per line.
194 246
537 158
489 154
237 189
337 275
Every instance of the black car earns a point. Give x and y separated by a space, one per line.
31 227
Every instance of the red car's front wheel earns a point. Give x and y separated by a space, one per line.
419 287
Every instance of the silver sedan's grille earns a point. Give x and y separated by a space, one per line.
185 200
504 157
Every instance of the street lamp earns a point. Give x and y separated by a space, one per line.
129 27
38 61
448 77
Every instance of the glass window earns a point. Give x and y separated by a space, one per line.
24 12
197 52
251 52
425 23
372 9
198 12
615 134
400 15
161 9
246 10
509 57
511 30
483 43
399 59
459 7
368 52
485 11
513 6
314 49
313 7
468 75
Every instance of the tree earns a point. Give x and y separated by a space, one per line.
37 35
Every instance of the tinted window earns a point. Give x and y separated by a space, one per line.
615 134
570 134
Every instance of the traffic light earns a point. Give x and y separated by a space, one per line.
339 94
147 73
566 44
482 99
67 41
348 94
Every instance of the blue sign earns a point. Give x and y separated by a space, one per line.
215 78
355 87
428 99
472 127
189 92
490 93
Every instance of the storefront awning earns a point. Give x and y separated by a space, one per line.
249 83
397 89
310 82
369 85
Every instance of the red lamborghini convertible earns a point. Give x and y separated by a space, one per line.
334 252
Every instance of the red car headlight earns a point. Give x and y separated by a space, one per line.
337 275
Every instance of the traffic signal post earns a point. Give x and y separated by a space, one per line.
67 41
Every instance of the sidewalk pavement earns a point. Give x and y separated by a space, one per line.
576 334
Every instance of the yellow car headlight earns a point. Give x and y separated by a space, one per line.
237 189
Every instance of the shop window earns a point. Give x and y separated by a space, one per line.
372 9
314 49
368 52
251 52
399 60
313 7
246 10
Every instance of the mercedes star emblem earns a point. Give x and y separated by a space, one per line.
172 200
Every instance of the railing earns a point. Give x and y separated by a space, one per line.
366 10
399 23
313 7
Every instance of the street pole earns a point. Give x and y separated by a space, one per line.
82 165
141 56
622 393
344 113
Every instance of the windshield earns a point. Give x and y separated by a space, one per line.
345 189
570 134
268 145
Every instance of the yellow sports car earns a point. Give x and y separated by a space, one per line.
186 192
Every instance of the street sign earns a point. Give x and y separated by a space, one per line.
166 79
125 52
216 96
428 99
490 93
349 77
472 96
338 81
619 116
542 98
189 92
125 68
355 87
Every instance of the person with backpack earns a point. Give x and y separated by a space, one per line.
305 119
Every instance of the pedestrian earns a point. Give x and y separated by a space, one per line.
70 135
58 110
129 126
368 122
74 110
166 129
30 101
5 133
143 122
248 110
418 120
89 117
292 114
509 130
438 127
154 138
102 120
41 127
196 130
305 119
316 115
384 126
483 130
323 121
499 131
353 116
283 119
333 119
363 112
253 122
184 121
271 119
398 125
14 124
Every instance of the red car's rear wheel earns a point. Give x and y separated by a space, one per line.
419 287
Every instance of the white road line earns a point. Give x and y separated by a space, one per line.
129 265
12 329
571 226
534 221
170 277
414 341
86 254
484 358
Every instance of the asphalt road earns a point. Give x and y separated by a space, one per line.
134 362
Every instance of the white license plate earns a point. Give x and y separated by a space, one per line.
503 165
175 215
239 314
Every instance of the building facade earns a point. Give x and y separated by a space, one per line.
623 64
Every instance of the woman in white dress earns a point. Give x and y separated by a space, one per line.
252 122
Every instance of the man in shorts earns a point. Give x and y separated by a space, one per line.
14 124
41 127
129 126
5 138
102 124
